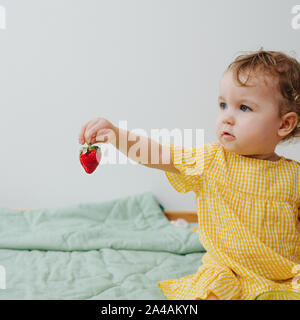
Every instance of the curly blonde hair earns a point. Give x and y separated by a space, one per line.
278 64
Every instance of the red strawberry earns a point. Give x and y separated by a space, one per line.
90 157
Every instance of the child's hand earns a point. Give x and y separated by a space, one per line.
97 130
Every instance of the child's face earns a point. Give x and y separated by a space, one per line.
250 114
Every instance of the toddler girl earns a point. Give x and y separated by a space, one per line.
247 196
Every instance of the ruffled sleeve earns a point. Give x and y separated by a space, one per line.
192 163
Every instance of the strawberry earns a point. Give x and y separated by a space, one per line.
90 157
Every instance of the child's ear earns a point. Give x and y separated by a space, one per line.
288 123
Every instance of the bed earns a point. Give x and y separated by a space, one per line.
110 250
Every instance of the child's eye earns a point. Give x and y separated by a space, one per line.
242 105
221 104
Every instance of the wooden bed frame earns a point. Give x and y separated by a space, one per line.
189 216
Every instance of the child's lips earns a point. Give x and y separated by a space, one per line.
227 135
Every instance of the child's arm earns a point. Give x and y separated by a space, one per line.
146 146
101 130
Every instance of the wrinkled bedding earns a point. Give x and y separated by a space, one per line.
117 249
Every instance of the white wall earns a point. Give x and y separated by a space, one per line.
156 64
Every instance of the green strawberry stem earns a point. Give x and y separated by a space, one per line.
89 148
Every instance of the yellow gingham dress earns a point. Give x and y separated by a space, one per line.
248 214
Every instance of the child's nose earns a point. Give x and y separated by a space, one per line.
228 119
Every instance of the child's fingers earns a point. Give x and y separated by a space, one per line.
83 130
96 130
91 131
93 139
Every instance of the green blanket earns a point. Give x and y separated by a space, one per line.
116 249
